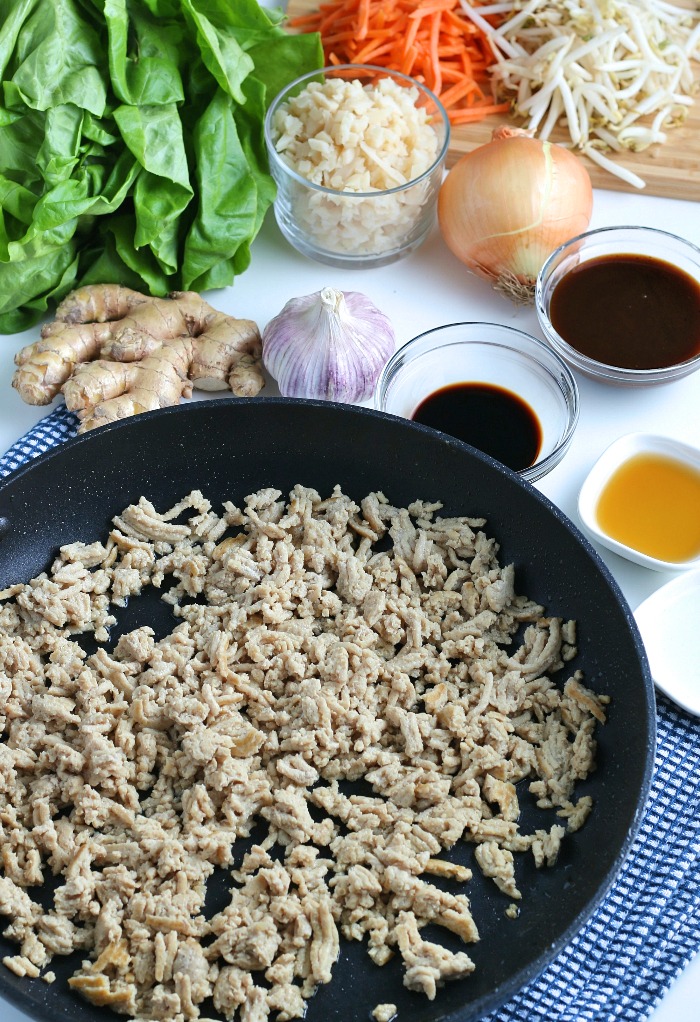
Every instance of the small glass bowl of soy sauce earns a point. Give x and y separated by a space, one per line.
622 305
491 386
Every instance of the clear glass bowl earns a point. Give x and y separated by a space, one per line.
492 354
356 229
612 241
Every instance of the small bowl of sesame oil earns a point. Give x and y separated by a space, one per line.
641 499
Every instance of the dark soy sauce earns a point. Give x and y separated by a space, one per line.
630 311
488 417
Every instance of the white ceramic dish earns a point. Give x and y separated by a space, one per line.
610 460
668 621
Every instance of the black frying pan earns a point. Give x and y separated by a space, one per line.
229 448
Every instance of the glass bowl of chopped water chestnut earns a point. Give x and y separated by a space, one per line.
357 153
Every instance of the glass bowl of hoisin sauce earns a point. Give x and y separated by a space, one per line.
622 305
491 386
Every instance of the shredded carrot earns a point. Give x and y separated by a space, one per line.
429 40
363 17
469 116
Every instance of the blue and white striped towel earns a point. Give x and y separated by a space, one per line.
619 965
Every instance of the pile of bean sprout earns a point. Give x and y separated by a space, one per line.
618 73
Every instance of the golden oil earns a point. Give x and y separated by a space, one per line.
652 503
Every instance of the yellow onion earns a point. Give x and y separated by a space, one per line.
505 207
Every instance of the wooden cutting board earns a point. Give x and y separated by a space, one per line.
671 169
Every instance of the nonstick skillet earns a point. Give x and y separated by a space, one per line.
228 448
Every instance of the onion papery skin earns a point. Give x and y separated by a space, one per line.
505 207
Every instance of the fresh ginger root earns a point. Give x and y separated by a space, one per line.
114 352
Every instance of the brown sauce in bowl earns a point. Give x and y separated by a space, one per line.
490 418
630 311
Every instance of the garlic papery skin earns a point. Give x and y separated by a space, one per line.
330 345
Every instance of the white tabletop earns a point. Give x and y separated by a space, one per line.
430 288
425 290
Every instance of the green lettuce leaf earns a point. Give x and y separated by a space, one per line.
132 143
58 61
147 71
228 195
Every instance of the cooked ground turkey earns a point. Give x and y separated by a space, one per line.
307 655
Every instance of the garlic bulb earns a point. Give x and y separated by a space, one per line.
330 345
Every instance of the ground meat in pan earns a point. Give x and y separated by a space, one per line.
318 641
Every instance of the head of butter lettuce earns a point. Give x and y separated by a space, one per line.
132 143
